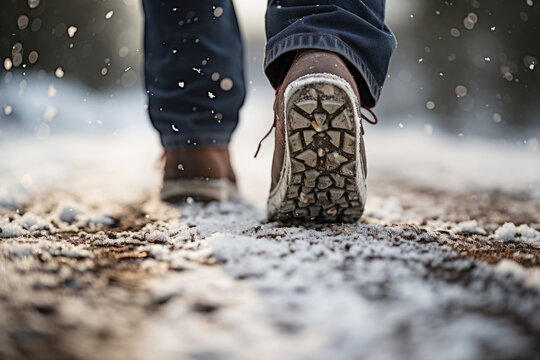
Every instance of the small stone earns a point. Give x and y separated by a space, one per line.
297 166
324 182
321 152
307 189
332 211
321 120
307 105
316 126
295 142
313 93
297 179
349 144
309 157
303 198
334 137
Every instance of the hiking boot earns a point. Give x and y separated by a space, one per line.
203 174
319 165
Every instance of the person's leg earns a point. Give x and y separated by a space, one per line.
195 83
194 70
353 29
327 59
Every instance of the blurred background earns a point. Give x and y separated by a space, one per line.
467 68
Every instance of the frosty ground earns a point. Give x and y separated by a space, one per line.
444 264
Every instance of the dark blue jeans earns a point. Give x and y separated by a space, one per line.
194 58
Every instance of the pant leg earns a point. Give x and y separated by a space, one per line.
193 70
355 29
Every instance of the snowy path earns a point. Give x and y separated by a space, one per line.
92 266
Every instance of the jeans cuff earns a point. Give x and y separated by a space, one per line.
369 88
185 141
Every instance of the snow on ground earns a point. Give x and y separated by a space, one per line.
509 232
445 263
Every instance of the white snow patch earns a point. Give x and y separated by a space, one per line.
387 209
157 236
54 248
33 222
530 275
102 220
68 212
507 232
29 220
510 232
529 234
65 249
11 230
471 227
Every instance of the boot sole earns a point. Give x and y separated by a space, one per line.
322 176
177 191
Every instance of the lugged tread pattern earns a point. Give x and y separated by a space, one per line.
321 133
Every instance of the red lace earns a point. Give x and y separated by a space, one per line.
373 121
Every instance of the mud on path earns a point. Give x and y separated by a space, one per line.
102 275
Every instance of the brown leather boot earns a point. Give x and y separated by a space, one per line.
202 173
319 166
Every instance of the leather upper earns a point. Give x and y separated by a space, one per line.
198 163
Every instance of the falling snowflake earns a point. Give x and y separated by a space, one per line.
51 90
226 84
59 72
71 31
218 11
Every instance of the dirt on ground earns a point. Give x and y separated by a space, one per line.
85 278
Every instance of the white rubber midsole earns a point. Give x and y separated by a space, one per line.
213 189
